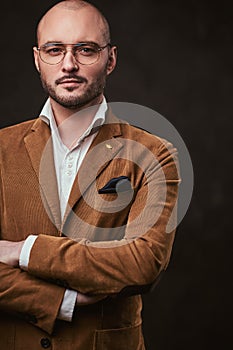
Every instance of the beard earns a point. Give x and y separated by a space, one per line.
91 92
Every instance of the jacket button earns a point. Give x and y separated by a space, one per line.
45 343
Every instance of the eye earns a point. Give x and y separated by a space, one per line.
87 50
53 51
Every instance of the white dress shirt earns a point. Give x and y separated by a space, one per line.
67 162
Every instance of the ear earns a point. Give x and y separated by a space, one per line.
36 58
112 59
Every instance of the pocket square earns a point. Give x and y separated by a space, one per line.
116 184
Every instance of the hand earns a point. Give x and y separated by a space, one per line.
83 299
10 252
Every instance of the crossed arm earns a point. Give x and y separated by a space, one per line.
111 271
10 255
30 297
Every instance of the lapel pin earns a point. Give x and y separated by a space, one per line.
108 146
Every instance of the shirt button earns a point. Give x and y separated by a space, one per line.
70 165
68 172
70 157
45 343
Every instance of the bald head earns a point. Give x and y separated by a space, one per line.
72 4
76 6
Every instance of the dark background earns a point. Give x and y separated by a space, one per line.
175 57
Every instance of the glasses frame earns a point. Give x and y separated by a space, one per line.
99 49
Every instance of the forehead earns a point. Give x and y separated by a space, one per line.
71 26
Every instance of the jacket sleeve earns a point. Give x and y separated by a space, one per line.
134 262
29 298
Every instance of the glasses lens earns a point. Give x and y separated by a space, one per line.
52 54
86 53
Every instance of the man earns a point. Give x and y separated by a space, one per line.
87 201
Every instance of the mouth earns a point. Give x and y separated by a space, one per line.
70 81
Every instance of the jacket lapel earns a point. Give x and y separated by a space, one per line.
40 150
103 149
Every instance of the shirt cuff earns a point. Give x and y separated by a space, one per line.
67 305
25 252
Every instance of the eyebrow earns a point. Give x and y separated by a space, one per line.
52 42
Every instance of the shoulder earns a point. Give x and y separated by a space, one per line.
138 134
12 137
154 143
152 150
16 130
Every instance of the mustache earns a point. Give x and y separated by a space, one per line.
78 78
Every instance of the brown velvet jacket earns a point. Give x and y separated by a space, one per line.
109 243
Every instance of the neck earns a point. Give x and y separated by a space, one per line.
72 123
85 114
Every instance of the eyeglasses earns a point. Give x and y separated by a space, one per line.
85 53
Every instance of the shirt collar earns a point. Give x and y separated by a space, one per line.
47 116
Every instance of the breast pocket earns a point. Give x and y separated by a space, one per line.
129 338
115 202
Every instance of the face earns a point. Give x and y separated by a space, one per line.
69 83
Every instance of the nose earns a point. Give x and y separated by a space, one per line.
69 63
